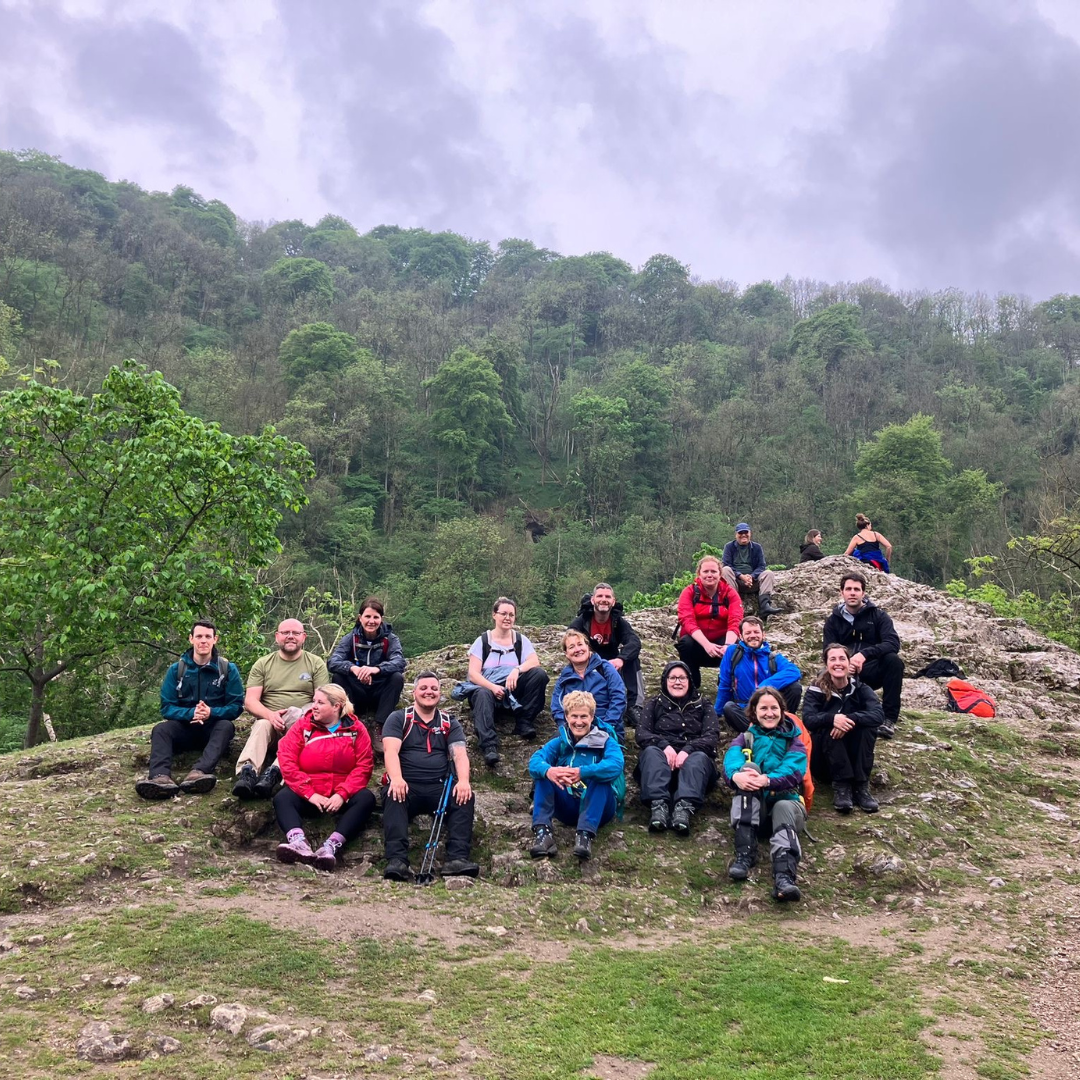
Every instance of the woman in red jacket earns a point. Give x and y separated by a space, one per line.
326 763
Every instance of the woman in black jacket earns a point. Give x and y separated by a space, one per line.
842 716
678 734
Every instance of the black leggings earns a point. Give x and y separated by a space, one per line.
350 819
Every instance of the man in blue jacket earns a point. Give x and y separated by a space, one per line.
743 568
201 696
750 663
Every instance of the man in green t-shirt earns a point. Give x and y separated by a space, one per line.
281 681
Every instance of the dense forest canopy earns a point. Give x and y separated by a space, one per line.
510 419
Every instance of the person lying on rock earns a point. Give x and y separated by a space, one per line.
766 766
843 717
422 745
201 695
578 778
326 762
678 735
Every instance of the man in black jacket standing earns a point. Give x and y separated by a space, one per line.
868 630
600 618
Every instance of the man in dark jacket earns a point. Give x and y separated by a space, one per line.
600 618
869 632
744 569
369 665
201 696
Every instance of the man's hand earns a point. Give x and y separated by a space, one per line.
617 663
398 789
670 756
462 792
277 719
746 579
841 725
855 663
680 759
202 713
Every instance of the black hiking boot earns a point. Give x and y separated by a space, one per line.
660 818
785 869
841 798
544 846
633 716
267 783
460 868
397 870
246 779
583 845
745 853
887 729
681 815
863 799
766 607
527 732
491 757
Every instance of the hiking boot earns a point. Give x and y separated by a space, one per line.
198 783
491 758
267 783
863 799
397 870
745 853
766 607
326 857
583 845
297 850
633 716
526 732
162 786
841 798
544 844
460 868
246 779
376 739
681 815
660 819
887 729
785 867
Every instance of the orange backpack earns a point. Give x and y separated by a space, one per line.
964 698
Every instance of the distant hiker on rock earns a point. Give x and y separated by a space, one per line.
600 618
869 632
810 548
587 671
744 569
280 685
766 765
843 717
869 546
750 663
422 746
369 664
326 762
201 695
504 674
678 735
578 778
709 615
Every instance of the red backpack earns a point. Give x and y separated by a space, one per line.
964 698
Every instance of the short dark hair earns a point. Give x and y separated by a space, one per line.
372 602
427 673
202 622
499 603
853 575
753 620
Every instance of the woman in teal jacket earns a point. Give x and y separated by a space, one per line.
766 765
579 778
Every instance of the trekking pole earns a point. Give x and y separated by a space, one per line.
427 864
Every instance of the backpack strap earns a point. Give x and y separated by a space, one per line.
485 647
222 666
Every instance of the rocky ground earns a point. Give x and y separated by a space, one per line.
965 882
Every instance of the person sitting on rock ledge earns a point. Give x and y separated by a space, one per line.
709 615
504 674
744 569
326 762
201 695
586 670
875 645
577 777
810 548
678 736
750 663
843 716
421 746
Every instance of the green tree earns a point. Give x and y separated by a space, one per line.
317 347
290 279
123 518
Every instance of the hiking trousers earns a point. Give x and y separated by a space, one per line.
173 736
847 760
424 799
692 782
886 673
695 658
382 693
290 807
530 691
589 813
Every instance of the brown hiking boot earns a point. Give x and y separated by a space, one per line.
376 739
198 783
157 787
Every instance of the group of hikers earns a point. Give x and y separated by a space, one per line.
309 751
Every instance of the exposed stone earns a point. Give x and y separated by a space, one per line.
456 884
376 1053
96 1042
166 1044
229 1017
200 1002
496 931
26 993
427 996
275 1037
158 1003
36 939
582 926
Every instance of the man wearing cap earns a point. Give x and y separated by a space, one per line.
744 569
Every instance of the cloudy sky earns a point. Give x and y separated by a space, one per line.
927 143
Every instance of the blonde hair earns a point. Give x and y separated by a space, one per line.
570 635
336 696
577 701
704 559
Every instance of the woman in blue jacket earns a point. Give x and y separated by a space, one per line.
578 778
587 671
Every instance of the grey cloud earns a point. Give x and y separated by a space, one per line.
959 130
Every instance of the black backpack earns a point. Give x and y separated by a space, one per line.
485 647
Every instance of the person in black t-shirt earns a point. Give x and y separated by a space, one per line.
420 745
